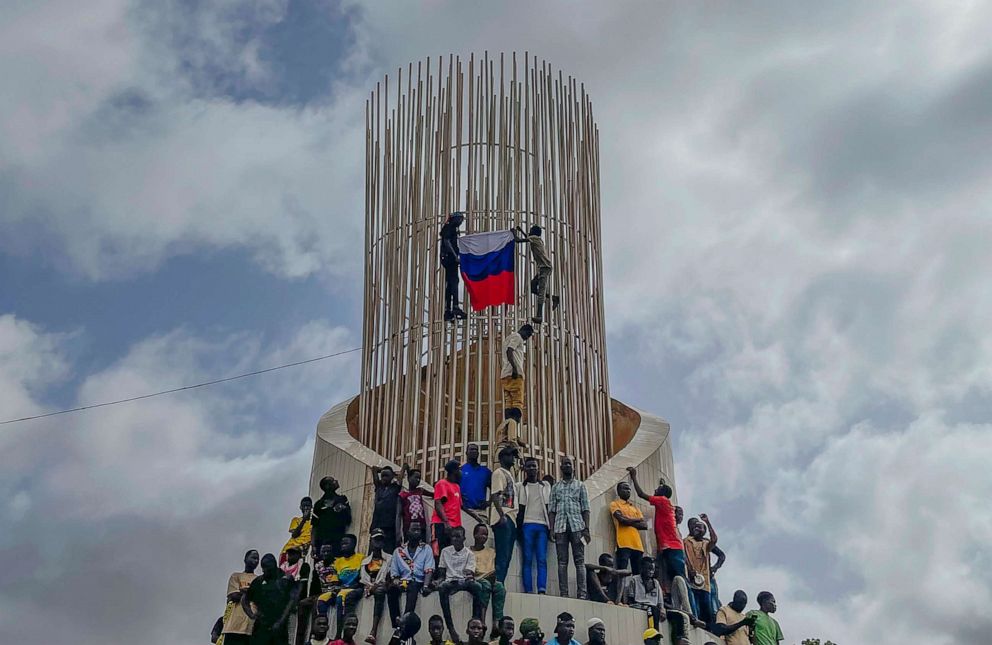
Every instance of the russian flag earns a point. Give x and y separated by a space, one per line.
487 268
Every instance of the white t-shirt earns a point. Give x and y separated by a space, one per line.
534 498
455 563
515 343
502 482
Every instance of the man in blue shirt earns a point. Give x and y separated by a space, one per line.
475 480
410 571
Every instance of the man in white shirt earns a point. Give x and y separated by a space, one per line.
512 382
533 495
643 591
458 564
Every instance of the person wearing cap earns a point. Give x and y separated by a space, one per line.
512 382
534 494
530 632
450 259
564 631
504 502
644 592
651 636
597 632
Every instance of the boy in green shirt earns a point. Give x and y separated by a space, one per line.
765 630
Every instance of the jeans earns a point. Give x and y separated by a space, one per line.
450 587
714 596
535 538
495 591
562 542
504 535
393 598
704 608
632 557
673 563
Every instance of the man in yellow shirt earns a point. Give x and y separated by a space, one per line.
629 522
299 531
731 623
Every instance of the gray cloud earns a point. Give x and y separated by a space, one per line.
795 220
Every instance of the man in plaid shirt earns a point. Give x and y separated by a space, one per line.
568 514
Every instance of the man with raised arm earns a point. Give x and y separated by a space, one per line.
512 382
671 554
542 262
697 555
568 514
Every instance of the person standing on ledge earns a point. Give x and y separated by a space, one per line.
504 502
697 554
628 521
512 380
542 262
568 514
475 480
731 623
765 630
450 261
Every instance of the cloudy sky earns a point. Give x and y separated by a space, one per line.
797 223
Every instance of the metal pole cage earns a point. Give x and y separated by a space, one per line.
509 145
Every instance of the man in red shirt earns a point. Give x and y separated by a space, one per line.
671 554
447 503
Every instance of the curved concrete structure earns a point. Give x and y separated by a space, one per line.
649 450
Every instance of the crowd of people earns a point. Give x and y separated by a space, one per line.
310 592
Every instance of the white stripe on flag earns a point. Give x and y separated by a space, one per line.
482 243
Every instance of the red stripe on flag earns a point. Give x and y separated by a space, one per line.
489 292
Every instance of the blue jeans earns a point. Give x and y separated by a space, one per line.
704 607
714 596
535 546
673 563
504 535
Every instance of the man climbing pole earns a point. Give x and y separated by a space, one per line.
512 380
450 261
542 261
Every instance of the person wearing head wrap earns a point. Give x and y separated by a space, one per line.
530 632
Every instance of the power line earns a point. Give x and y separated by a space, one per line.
180 389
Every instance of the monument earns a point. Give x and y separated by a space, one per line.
509 142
